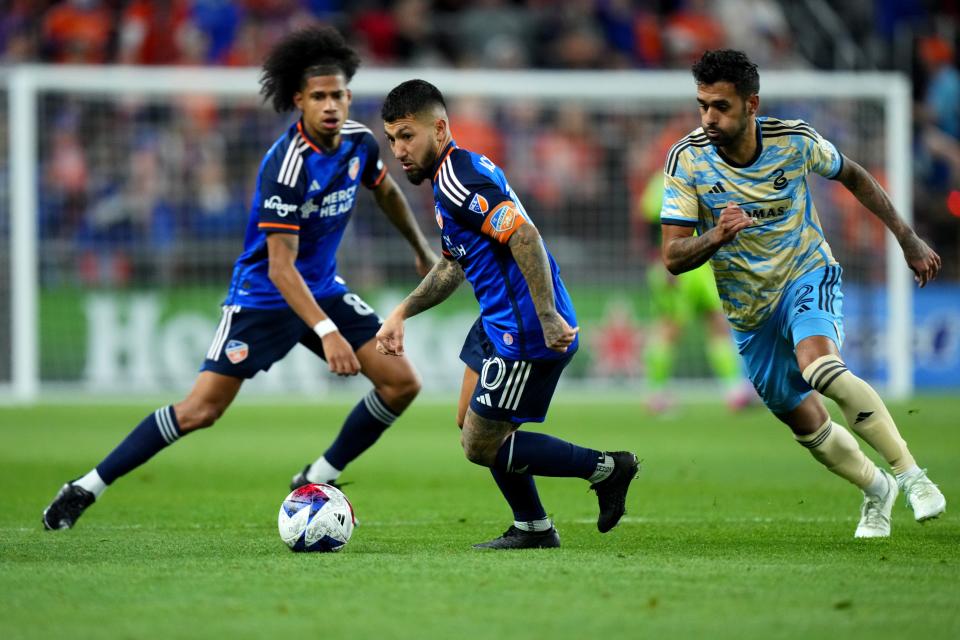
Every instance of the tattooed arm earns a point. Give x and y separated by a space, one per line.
683 251
442 280
531 257
923 260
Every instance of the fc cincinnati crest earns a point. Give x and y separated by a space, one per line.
354 168
503 218
479 204
236 351
439 217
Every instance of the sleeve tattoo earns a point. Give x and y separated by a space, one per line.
443 279
531 257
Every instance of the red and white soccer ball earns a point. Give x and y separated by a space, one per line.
316 517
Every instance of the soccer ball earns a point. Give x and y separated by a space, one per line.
316 517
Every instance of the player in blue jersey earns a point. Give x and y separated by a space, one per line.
740 182
526 333
285 288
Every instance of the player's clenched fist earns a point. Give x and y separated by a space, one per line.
732 221
340 356
923 260
557 334
390 336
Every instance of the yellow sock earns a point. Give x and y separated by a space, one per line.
838 451
862 407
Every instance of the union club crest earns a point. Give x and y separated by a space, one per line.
354 167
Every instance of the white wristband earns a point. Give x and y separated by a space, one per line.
324 327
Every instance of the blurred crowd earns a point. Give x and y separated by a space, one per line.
489 33
120 175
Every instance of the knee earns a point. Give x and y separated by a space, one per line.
476 452
197 416
398 394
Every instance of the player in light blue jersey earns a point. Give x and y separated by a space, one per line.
285 288
526 333
740 182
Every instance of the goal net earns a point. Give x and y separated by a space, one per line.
131 191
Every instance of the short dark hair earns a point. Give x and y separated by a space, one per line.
410 98
728 65
315 51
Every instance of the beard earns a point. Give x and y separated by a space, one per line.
418 174
725 138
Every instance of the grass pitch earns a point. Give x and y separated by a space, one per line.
732 531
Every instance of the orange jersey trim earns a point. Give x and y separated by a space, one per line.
506 224
305 138
442 160
376 183
277 225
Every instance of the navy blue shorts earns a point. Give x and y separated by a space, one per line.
515 391
251 340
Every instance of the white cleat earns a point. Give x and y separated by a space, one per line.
875 512
923 497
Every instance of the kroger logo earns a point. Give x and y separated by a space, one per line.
278 205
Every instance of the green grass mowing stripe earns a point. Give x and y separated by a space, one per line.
732 532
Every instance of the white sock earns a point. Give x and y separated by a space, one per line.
603 471
543 524
879 485
322 471
92 482
908 474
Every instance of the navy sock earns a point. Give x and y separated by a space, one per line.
541 455
360 430
156 431
520 490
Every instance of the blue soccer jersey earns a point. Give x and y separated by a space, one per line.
478 212
304 190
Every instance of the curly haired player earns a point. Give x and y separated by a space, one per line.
285 288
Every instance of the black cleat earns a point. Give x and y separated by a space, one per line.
300 480
67 507
514 538
612 492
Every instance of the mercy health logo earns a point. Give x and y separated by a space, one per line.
236 351
274 203
338 202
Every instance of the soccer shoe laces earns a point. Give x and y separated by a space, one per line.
920 487
872 514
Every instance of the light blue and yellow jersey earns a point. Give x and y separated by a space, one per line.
785 240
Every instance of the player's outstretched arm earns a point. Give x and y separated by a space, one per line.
394 205
282 249
683 251
923 260
531 257
442 280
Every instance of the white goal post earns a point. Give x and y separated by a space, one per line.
25 84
